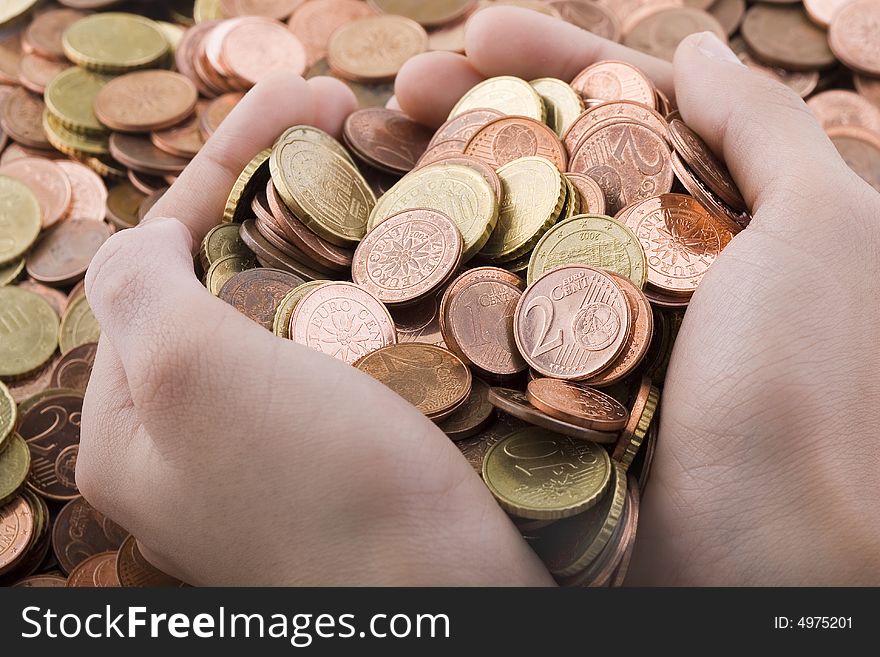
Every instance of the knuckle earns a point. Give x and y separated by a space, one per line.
113 281
169 375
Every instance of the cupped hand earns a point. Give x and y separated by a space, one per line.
768 465
239 458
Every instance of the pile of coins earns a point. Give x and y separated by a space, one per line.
518 275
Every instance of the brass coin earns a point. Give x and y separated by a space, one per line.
78 326
123 202
225 267
115 42
281 323
15 9
592 240
15 463
459 192
472 416
323 190
430 378
70 99
631 438
28 332
9 273
8 414
562 104
539 475
533 196
20 219
250 181
73 143
222 240
505 94
256 293
318 136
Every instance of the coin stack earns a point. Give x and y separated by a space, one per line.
503 273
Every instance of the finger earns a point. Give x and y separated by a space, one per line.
776 150
392 104
199 195
428 85
334 101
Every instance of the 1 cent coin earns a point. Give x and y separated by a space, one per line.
16 530
95 572
386 139
89 191
614 80
256 293
472 416
577 403
81 531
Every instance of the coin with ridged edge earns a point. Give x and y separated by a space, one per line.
505 94
28 332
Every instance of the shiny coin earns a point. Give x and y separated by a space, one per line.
48 183
464 125
505 94
510 138
613 80
28 332
17 524
386 139
254 48
70 98
315 21
577 403
8 414
225 267
854 31
644 407
562 104
120 103
256 293
89 192
281 323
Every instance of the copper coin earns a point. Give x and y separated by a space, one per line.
145 100
36 72
273 252
256 293
478 322
614 80
16 532
342 320
375 48
659 32
427 14
28 386
184 139
189 48
430 378
419 322
839 107
138 153
134 571
680 238
440 152
512 137
639 338
48 183
711 170
471 417
74 368
88 190
572 322
81 531
517 404
63 254
854 33
45 34
22 118
95 572
577 403
822 11
254 48
801 82
41 582
465 125
629 541
386 139
277 9
633 434
315 21
408 256
51 428
591 195
612 112
146 183
783 35
860 150
216 111
323 252
726 215
590 16
477 273
868 87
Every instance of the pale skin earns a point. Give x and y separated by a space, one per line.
238 458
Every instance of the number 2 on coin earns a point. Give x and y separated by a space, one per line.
544 345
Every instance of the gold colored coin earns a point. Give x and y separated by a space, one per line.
281 324
70 99
173 34
222 240
254 176
72 143
594 240
225 268
534 192
633 435
28 331
15 463
12 10
19 219
562 104
541 475
8 273
316 136
115 42
208 10
8 415
459 192
506 94
78 325
572 206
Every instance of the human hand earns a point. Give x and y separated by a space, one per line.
766 469
238 458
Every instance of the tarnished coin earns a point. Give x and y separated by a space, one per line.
659 32
222 240
115 42
78 325
19 219
64 253
89 192
146 100
516 403
577 403
95 572
680 238
343 321
48 183
74 368
133 570
15 463
226 267
51 428
81 531
430 378
533 196
613 80
256 293
17 527
853 35
631 438
386 139
783 35
860 149
572 322
477 320
8 415
592 240
472 416
544 476
510 138
474 448
505 94
123 203
28 332
459 192
570 546
138 152
41 581
419 322
562 104
407 256
375 48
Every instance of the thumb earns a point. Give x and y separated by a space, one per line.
775 149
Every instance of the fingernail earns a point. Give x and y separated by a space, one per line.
711 46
